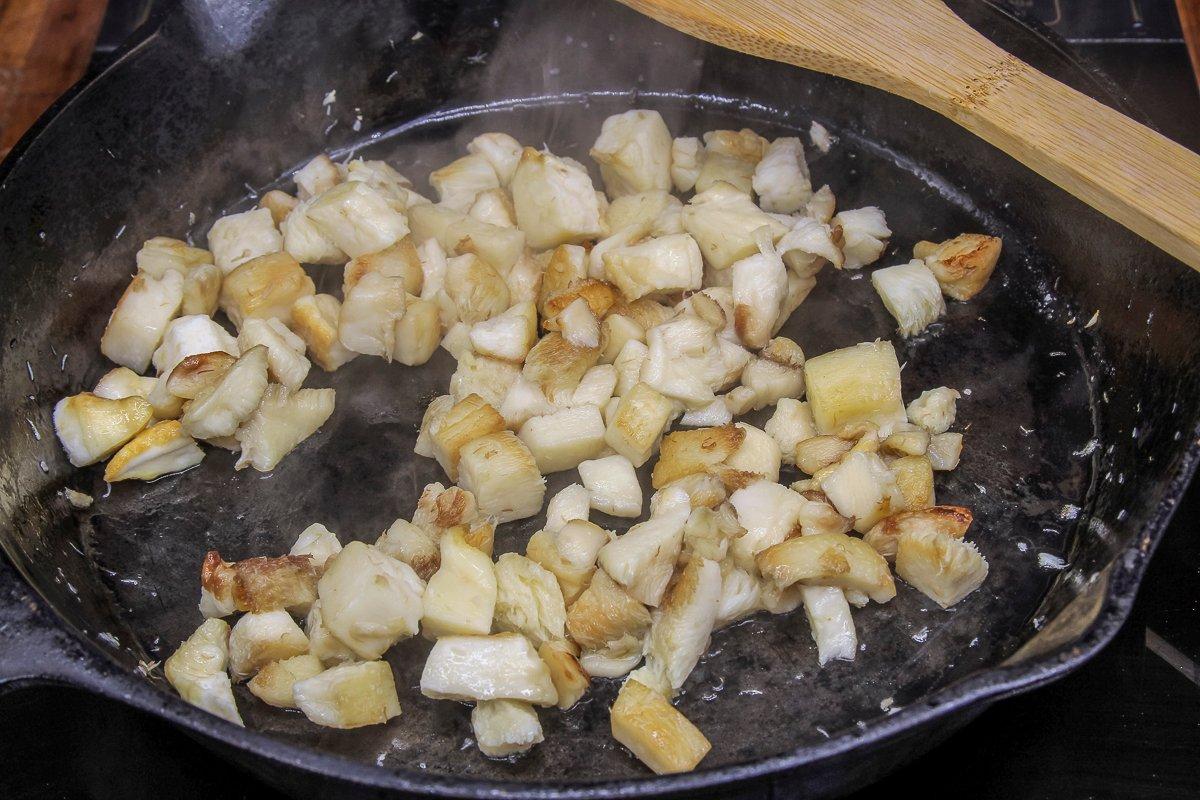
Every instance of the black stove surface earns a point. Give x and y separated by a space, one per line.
1127 725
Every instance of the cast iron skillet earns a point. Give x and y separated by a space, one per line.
1080 439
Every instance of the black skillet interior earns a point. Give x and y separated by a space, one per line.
1076 436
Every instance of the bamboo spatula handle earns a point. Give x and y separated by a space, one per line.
920 50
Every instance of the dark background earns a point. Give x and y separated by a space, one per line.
1127 725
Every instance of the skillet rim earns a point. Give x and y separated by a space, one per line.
100 674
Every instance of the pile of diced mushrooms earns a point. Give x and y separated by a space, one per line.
593 331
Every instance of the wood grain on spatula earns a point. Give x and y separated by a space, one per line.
920 50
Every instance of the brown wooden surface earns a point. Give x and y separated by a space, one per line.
1189 20
45 46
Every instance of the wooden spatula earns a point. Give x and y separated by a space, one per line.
920 50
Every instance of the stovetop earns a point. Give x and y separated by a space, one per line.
1126 725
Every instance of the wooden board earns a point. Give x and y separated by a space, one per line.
1189 20
45 46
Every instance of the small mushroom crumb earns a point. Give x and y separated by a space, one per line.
78 500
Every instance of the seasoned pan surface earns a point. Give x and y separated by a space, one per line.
1023 367
1054 418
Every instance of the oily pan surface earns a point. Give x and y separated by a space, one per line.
759 692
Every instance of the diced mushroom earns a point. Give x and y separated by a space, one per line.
368 320
687 156
318 543
951 520
458 183
944 451
723 221
122 382
502 151
564 439
504 476
509 335
781 178
579 325
818 452
941 566
201 290
349 696
655 267
503 666
461 596
282 421
855 384
730 157
305 242
318 175
557 366
655 732
862 488
160 450
275 682
257 584
629 364
529 600
357 218
321 641
489 378
476 288
829 559
810 245
220 409
265 287
758 455
459 234
934 410
643 558
634 153
401 260
381 177
139 322
685 453
555 201
315 320
830 623
612 485
596 387
494 207
505 728
197 671
189 336
605 614
864 235
680 360
237 238
163 254
777 373
468 419
92 428
914 479
369 601
260 637
911 294
571 681
286 363
680 632
791 424
962 265
769 513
